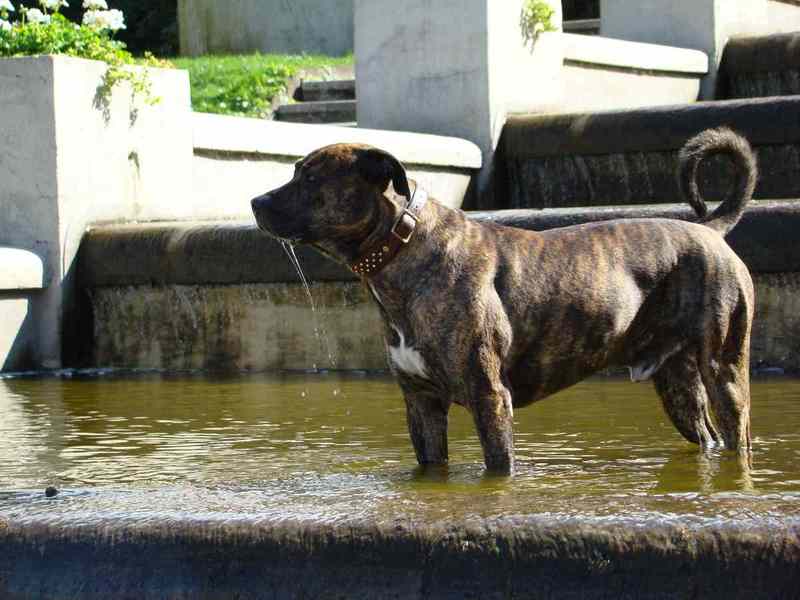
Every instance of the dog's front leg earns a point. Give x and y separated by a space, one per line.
427 425
492 410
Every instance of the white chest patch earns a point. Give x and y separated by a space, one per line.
406 359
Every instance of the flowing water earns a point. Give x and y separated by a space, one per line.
270 447
319 332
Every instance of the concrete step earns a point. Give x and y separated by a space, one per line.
583 26
230 253
631 157
315 91
761 66
328 111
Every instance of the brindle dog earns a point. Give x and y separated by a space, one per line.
494 318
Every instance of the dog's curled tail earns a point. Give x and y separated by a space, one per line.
706 144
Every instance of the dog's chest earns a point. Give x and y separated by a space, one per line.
405 358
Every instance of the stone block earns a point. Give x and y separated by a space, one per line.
276 26
705 25
451 67
71 156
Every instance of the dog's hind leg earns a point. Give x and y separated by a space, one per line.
427 426
729 390
683 395
728 384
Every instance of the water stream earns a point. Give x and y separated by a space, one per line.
319 331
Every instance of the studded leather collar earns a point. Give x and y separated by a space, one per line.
381 253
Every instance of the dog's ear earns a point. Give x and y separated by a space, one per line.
379 167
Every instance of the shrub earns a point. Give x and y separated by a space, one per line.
47 31
536 17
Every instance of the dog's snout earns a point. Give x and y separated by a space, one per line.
260 203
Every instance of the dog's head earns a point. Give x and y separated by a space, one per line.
335 199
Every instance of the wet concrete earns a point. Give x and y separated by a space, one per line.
767 239
237 327
224 296
630 157
507 558
754 67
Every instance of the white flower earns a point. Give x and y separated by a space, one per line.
34 15
5 25
53 4
6 5
105 19
95 5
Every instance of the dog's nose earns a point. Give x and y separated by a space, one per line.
260 203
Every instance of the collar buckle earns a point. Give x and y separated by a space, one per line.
405 225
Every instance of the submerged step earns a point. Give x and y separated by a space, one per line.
314 91
760 66
329 111
631 157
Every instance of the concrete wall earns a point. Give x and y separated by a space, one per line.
704 25
281 26
71 158
29 203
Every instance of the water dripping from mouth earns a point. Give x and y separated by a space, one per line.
319 332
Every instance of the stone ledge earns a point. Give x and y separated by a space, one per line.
531 557
633 55
20 270
780 52
254 136
767 239
763 121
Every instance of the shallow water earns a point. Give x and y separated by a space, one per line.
334 448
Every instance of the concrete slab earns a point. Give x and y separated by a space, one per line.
253 558
21 270
318 111
238 159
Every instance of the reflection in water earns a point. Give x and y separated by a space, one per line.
333 447
689 470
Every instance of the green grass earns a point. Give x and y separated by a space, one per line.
244 85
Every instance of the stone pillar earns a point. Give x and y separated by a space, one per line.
705 25
452 67
70 157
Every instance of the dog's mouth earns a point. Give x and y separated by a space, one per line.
296 239
267 226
